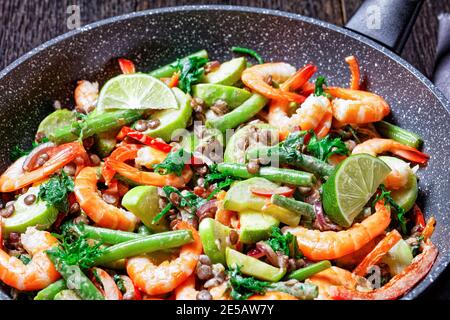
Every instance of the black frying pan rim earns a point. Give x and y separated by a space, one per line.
429 279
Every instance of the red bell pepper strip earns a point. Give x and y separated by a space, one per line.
377 253
418 217
126 66
398 285
149 141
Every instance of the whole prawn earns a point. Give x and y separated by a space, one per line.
164 278
39 272
327 245
102 213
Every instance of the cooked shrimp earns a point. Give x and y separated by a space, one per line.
15 178
151 178
86 95
335 276
39 272
148 156
316 114
255 78
116 163
327 245
102 213
398 177
356 106
164 278
273 295
376 146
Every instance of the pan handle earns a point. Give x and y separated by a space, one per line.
388 22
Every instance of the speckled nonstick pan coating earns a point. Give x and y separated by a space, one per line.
152 38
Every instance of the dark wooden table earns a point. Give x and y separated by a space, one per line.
25 24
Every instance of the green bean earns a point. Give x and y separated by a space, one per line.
105 235
96 124
398 134
168 70
145 244
280 175
302 291
306 272
51 291
302 208
244 112
75 278
293 158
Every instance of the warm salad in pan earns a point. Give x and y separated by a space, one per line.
207 180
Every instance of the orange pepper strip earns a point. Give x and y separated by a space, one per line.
174 80
429 228
126 66
354 69
377 253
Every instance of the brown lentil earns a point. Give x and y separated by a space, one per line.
220 107
153 124
88 142
141 125
204 259
29 199
204 295
234 236
74 208
212 65
95 159
39 136
213 282
43 158
7 211
253 167
110 198
175 198
70 169
198 104
204 272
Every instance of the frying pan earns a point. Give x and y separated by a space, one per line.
151 38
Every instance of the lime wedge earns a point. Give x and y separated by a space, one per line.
351 186
137 91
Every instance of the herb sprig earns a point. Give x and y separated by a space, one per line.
214 176
191 70
17 152
284 243
56 190
400 212
173 163
75 249
244 287
326 147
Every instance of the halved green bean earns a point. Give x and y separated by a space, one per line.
300 290
96 124
51 291
302 208
168 69
306 272
280 175
106 235
75 278
391 131
294 158
145 244
244 112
